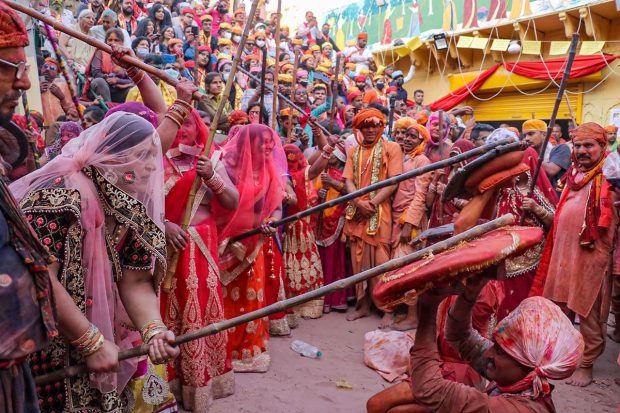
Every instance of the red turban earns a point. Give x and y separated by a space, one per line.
204 48
238 117
589 130
352 95
12 29
392 89
188 10
360 78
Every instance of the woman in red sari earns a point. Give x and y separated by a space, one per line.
302 262
192 297
332 247
538 210
256 164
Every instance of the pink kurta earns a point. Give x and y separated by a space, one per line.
577 274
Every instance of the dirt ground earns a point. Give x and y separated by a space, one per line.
300 385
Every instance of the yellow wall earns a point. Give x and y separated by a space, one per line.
599 93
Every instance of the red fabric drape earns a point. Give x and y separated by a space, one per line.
454 98
582 66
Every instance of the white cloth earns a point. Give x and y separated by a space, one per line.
360 57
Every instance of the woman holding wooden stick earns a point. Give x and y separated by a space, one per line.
256 164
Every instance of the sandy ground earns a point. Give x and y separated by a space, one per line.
300 385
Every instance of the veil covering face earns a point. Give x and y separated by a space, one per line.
116 167
256 164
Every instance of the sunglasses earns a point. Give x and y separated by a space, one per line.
21 68
49 67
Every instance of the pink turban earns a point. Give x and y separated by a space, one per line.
538 335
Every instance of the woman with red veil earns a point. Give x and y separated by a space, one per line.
192 297
302 262
256 163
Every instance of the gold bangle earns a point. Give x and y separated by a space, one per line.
168 116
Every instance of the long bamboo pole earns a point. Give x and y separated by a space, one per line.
280 306
213 128
274 107
96 43
334 85
289 131
554 114
382 184
263 73
284 98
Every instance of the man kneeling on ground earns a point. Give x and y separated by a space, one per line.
534 343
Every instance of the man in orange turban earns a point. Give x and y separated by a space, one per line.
359 53
583 232
557 158
612 135
368 223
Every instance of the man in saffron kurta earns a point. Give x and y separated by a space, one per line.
369 218
577 257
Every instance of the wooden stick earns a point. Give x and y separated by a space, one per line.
65 72
274 107
279 306
374 187
289 132
263 73
96 43
284 98
554 114
570 109
187 215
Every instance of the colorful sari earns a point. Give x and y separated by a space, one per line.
111 174
256 164
192 298
332 247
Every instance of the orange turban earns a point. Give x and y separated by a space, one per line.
589 130
362 35
424 133
611 128
206 17
172 42
368 116
284 78
297 42
289 112
404 123
534 124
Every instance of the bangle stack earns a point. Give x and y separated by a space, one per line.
215 183
135 74
178 112
151 329
327 151
90 342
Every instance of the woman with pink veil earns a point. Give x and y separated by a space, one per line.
98 207
249 268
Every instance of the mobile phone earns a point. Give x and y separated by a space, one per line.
298 130
195 30
168 58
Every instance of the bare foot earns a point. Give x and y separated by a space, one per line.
357 314
386 321
615 336
581 377
405 325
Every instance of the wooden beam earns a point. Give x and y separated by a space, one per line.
526 33
597 27
464 56
570 24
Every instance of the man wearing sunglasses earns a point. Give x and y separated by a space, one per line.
55 95
26 300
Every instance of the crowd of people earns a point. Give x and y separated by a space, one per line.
107 244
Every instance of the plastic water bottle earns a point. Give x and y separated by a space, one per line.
305 349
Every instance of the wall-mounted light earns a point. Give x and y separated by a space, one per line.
440 41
